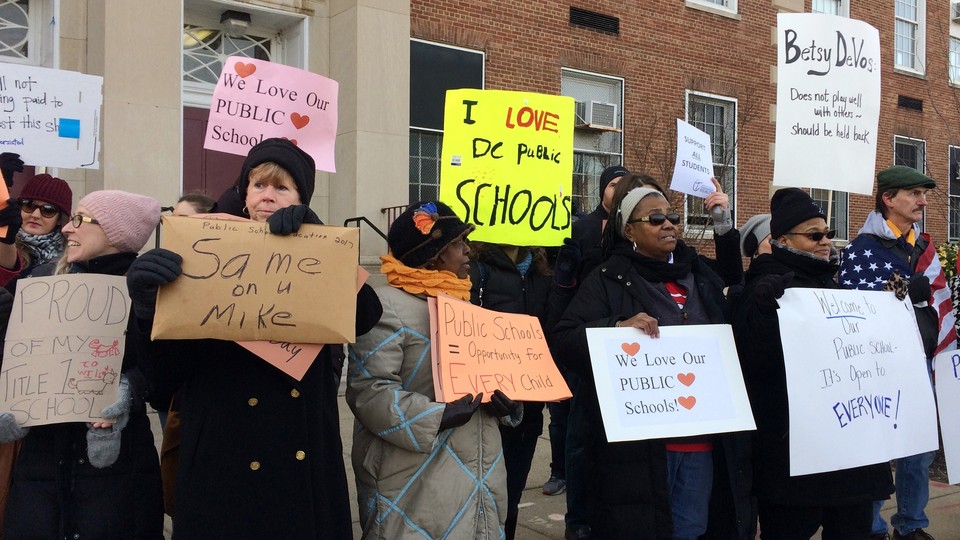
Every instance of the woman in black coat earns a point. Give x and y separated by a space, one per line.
794 506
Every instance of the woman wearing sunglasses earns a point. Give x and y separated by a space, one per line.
794 506
653 488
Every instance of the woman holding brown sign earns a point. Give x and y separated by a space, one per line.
260 452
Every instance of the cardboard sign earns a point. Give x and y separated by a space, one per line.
856 378
694 166
256 100
947 366
507 164
50 117
64 348
477 350
828 102
242 283
686 382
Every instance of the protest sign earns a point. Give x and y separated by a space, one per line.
694 166
507 164
50 117
686 382
242 283
947 367
478 350
828 102
856 378
63 350
256 100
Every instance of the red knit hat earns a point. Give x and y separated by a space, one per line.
51 189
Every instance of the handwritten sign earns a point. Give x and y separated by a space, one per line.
256 100
64 347
828 102
507 164
686 382
694 166
856 378
947 369
242 283
50 117
477 350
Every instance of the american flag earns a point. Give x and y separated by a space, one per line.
867 265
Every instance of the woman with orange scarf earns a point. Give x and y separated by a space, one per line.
423 468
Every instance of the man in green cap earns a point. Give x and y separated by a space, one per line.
890 241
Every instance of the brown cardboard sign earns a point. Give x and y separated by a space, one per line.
242 283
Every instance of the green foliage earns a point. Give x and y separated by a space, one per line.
948 258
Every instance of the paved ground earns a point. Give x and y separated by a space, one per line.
541 517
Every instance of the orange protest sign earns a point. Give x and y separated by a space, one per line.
478 350
4 197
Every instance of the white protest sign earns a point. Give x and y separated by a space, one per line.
686 382
64 348
947 367
50 117
694 167
856 379
828 102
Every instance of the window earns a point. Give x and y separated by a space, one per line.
205 49
908 48
434 69
717 117
594 148
834 203
831 7
955 60
913 154
724 7
953 192
24 39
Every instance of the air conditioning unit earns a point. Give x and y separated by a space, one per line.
596 114
955 12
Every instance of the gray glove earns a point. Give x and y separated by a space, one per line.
10 430
103 444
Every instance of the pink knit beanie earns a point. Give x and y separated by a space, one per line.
127 219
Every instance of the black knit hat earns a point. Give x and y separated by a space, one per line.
788 208
423 230
608 174
287 155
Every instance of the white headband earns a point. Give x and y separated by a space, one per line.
629 202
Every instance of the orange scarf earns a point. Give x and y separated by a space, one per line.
422 281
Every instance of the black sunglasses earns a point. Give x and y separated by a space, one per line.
815 236
47 210
658 219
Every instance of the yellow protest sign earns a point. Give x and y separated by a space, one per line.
242 283
507 164
476 350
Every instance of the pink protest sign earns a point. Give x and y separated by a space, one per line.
256 100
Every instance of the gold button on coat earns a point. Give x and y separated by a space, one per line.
301 455
254 465
295 393
253 402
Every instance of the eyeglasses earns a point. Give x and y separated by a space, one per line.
658 219
78 220
815 236
47 210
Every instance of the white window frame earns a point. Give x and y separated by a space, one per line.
725 8
953 221
843 7
919 54
42 34
706 229
839 212
921 146
288 45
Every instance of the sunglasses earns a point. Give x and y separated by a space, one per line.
79 220
27 206
658 219
815 236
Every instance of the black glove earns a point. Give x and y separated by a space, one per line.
6 306
769 288
458 413
501 405
10 163
12 218
288 220
919 289
150 270
568 264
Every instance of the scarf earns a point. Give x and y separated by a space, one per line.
423 281
655 270
42 247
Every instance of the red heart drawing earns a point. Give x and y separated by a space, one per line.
686 379
244 70
299 121
294 141
631 348
687 402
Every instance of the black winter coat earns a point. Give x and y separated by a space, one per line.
56 493
757 334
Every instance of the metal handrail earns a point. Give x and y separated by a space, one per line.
364 219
